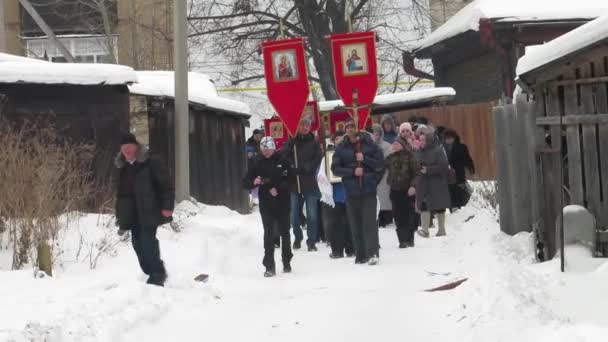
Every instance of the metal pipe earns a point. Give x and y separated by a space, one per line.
182 114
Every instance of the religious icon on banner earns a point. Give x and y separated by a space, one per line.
276 130
354 57
340 126
309 113
284 65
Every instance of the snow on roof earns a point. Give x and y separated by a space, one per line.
585 36
5 57
200 90
468 18
16 69
409 97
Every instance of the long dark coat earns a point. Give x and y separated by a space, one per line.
344 164
309 158
432 192
154 191
274 174
460 161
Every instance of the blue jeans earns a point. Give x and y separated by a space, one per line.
312 215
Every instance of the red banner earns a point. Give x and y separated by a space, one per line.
275 128
355 68
286 79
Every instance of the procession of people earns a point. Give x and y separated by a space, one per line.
404 174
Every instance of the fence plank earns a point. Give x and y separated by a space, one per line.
527 111
551 191
554 109
590 157
601 106
575 173
583 119
503 176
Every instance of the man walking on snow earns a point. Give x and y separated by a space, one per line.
303 182
270 173
145 200
359 162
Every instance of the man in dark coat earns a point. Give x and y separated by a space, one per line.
270 173
145 200
360 163
303 182
432 192
460 161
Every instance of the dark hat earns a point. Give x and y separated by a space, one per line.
128 139
257 131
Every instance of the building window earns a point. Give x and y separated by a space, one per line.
85 49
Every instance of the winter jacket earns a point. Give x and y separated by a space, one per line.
152 191
345 162
432 192
460 160
274 174
401 168
390 135
309 160
384 191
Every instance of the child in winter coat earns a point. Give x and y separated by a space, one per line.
270 173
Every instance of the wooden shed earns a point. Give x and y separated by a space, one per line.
88 103
556 138
217 134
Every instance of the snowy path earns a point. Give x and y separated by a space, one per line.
507 298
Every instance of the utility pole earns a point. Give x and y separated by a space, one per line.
182 115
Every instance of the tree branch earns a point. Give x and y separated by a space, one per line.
233 28
250 78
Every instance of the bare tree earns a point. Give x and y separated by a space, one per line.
233 30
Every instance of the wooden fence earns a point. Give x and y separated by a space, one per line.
475 125
553 152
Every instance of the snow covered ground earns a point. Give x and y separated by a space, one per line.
507 296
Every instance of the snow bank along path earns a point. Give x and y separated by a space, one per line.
507 297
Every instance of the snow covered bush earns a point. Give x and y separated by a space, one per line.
487 191
42 177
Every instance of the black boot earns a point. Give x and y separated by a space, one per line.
297 244
335 256
403 245
286 268
270 272
312 247
157 279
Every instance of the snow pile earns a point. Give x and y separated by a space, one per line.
513 11
508 297
581 38
410 97
201 90
15 69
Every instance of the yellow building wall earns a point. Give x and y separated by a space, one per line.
145 29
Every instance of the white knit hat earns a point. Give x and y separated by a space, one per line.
267 143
